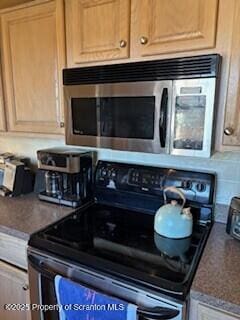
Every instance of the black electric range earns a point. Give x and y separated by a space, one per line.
115 234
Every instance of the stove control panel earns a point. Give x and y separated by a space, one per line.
146 180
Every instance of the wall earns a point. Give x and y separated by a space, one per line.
226 165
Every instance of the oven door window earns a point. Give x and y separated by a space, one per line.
189 120
127 117
84 116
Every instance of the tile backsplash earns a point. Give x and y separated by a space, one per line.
226 165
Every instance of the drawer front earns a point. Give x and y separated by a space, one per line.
207 313
13 250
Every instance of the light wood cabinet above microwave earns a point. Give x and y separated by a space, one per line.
99 30
160 26
33 55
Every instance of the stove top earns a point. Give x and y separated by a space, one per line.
123 243
115 235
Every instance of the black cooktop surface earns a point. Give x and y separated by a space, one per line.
123 243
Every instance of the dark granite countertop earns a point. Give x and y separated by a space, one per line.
24 215
217 281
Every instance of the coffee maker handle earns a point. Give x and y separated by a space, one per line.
60 188
85 181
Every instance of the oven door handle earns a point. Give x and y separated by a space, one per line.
163 118
40 267
157 313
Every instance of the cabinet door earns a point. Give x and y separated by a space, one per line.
163 26
33 58
14 290
97 30
232 113
2 113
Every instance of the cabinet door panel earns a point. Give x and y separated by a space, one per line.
97 30
14 290
32 63
162 26
232 113
2 113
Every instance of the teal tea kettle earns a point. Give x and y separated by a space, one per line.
172 220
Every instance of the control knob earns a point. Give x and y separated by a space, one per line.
201 187
186 184
103 172
113 174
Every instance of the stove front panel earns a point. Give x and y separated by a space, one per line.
43 268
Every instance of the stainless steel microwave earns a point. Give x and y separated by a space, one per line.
165 106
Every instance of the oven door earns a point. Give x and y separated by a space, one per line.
43 269
124 116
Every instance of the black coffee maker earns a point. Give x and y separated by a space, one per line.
67 176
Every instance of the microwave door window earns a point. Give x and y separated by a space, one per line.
84 116
189 122
127 117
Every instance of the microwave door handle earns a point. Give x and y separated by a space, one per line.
163 117
157 313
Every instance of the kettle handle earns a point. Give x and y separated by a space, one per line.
174 190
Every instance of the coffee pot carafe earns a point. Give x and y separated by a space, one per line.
54 183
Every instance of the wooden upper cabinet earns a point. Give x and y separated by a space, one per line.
97 30
33 55
2 113
164 26
232 112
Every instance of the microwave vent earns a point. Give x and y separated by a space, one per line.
205 66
